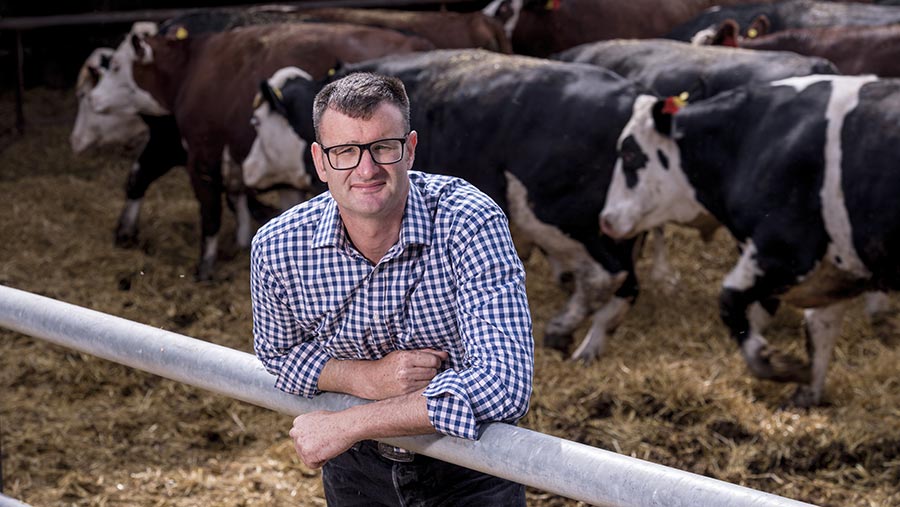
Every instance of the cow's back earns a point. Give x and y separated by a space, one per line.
671 67
854 50
551 124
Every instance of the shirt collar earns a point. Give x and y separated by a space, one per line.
414 230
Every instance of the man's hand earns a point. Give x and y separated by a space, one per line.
400 372
404 371
320 436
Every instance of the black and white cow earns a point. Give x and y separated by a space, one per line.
802 172
671 67
538 136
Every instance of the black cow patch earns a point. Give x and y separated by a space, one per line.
633 158
663 159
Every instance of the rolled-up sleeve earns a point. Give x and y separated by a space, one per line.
496 328
280 343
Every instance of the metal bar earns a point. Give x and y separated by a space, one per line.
542 461
20 84
6 501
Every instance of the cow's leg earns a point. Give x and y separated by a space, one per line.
162 152
603 322
558 332
877 306
143 173
207 185
232 176
744 286
823 326
661 272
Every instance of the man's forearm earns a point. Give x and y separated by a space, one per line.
399 372
320 436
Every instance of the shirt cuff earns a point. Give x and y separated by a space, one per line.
301 370
449 408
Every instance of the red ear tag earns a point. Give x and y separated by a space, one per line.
674 103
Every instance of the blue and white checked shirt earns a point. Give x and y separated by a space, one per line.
452 282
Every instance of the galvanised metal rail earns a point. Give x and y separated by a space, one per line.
535 459
6 501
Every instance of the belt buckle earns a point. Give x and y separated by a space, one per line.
395 453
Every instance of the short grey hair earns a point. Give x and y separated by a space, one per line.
358 95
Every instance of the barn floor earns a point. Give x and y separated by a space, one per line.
76 430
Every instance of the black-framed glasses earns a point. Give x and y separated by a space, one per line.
344 157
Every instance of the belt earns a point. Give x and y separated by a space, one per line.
390 452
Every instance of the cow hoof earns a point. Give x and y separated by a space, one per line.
126 238
806 397
585 356
204 272
772 364
560 342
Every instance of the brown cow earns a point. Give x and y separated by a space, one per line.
852 49
208 83
446 30
544 27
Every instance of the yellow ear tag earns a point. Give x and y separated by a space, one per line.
277 92
752 33
331 72
257 100
683 97
181 33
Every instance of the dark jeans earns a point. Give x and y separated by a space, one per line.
363 477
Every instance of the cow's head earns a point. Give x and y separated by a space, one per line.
726 33
117 92
648 187
94 129
278 152
506 12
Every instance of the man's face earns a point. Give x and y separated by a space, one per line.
369 190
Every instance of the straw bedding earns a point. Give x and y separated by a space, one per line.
77 430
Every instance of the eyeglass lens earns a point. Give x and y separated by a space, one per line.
348 156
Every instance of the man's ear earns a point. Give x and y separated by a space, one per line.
319 161
411 143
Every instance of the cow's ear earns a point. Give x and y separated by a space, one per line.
94 75
727 34
759 27
137 46
335 70
273 97
141 50
663 116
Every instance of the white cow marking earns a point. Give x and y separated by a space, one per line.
744 274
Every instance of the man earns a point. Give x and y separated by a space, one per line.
395 286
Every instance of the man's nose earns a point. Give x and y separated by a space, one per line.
367 165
